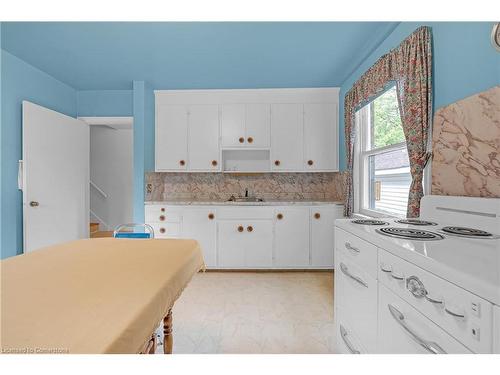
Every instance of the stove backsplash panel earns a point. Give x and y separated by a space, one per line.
466 147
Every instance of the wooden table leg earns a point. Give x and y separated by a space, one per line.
168 341
152 348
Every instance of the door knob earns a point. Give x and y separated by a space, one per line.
34 204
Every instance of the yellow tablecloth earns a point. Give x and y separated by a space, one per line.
100 295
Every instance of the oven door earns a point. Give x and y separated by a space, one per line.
402 329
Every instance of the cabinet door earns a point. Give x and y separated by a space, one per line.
291 237
320 136
233 125
258 244
258 125
231 244
287 137
171 137
322 236
199 224
203 138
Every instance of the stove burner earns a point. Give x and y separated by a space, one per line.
415 222
369 222
467 232
409 233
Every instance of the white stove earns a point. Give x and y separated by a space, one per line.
442 270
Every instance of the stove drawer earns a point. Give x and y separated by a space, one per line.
346 339
363 253
403 330
462 314
356 294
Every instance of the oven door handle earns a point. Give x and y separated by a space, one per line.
347 342
346 272
430 346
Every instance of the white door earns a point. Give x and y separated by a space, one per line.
55 177
199 224
203 146
291 237
320 136
171 137
231 236
287 149
258 244
322 236
233 125
258 125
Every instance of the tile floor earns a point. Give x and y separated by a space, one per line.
255 312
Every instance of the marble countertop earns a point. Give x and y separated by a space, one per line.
227 203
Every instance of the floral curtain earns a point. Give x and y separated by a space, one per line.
410 66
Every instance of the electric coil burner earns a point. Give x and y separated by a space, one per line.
415 222
409 234
369 222
467 232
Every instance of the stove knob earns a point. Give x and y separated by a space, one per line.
415 286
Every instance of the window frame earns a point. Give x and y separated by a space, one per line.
362 152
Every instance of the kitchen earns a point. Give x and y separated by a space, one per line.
284 210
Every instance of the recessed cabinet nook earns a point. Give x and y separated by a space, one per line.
261 130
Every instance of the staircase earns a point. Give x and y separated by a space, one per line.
96 232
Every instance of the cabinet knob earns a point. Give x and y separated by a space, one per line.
249 228
214 163
240 228
277 162
317 215
182 162
162 230
34 204
162 209
162 217
279 216
249 139
241 139
211 216
310 162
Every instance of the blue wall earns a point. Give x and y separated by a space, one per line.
104 102
464 63
21 81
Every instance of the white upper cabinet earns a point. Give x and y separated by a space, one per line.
171 137
287 149
257 130
203 138
320 137
245 125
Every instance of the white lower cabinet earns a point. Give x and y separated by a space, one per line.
252 237
402 329
322 235
291 237
199 224
245 244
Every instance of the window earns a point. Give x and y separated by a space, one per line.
381 157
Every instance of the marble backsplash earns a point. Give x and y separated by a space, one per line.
466 147
270 186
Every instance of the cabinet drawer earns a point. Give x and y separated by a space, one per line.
462 314
166 230
357 295
160 213
402 329
362 253
245 213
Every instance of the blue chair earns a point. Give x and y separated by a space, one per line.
127 231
